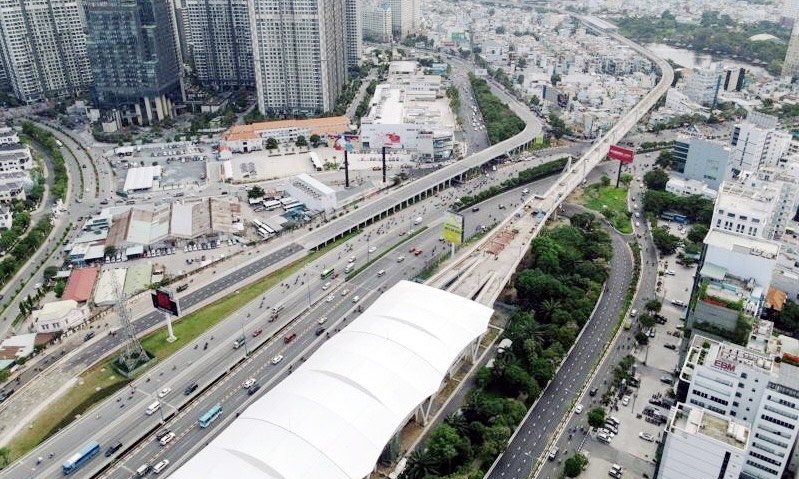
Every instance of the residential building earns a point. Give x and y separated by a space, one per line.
377 26
705 160
685 187
300 55
134 57
6 218
8 136
753 146
218 38
404 17
43 48
253 137
745 210
790 66
758 385
734 79
354 32
714 445
15 157
703 85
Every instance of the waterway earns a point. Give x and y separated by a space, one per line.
690 59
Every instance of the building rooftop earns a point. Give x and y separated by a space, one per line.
742 244
80 284
698 421
326 125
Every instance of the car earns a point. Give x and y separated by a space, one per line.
355 299
578 409
673 347
160 466
678 302
277 359
167 438
412 250
326 286
190 389
164 392
161 433
670 272
625 400
475 209
605 431
330 298
249 382
381 273
345 292
319 331
88 336
553 453
400 259
253 389
614 474
257 332
637 224
593 392
418 252
322 320
113 448
372 249
646 436
667 379
603 438
501 206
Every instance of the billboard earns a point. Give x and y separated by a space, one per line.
624 155
453 227
164 301
392 139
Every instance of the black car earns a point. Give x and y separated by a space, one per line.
319 331
6 394
113 448
190 389
593 392
161 433
88 336
253 389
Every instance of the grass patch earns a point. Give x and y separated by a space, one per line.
101 381
611 202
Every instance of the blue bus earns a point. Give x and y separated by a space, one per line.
209 417
81 457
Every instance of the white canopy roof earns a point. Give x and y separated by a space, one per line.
334 415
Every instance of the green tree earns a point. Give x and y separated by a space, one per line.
665 159
420 465
646 320
448 448
605 181
653 306
664 241
256 192
697 233
301 141
315 140
574 465
271 144
596 417
656 179
50 272
4 455
59 288
110 250
535 101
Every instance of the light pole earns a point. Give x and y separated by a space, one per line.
244 335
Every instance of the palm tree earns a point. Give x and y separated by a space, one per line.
548 307
419 466
458 422
653 306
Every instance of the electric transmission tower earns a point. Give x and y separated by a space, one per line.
133 353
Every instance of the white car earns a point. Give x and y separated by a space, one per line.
168 438
164 392
670 272
625 400
646 436
578 409
322 320
355 299
345 292
326 286
372 249
330 298
277 359
400 259
160 466
248 383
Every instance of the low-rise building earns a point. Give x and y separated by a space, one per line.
685 187
59 316
246 138
311 192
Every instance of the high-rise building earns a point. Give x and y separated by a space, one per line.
703 85
790 67
43 47
377 24
217 34
754 146
705 160
134 57
300 54
404 17
354 29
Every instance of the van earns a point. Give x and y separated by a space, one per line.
381 273
239 342
278 307
152 408
349 267
143 470
417 220
289 337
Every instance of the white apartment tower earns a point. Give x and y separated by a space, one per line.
758 205
219 44
377 24
404 17
756 385
704 85
354 22
43 48
753 146
300 54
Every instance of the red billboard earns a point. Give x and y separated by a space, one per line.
164 301
622 154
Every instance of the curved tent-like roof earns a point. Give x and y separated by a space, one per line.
333 416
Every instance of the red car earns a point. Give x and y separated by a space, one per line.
417 252
257 332
412 250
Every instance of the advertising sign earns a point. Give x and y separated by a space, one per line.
163 301
622 154
453 227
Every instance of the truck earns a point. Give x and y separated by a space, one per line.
239 342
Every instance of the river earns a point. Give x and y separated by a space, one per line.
691 59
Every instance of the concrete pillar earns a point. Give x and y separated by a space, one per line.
159 107
148 109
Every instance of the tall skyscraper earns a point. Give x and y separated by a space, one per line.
218 37
404 17
134 58
300 54
354 27
43 48
377 24
790 67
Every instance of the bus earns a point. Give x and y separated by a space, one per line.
271 205
258 223
81 457
327 273
209 417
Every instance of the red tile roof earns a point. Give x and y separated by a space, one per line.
80 284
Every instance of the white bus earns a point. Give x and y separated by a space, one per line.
258 223
271 205
291 206
152 408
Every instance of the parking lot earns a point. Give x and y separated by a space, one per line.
182 164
